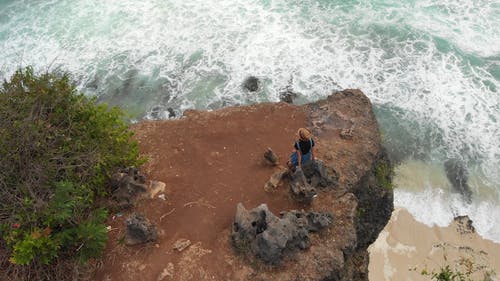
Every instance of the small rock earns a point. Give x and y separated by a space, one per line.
156 187
127 185
162 197
139 230
270 157
288 96
168 272
300 188
251 83
171 112
181 244
275 180
464 225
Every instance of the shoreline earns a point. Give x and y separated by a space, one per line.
405 248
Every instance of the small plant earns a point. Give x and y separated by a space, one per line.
463 272
383 174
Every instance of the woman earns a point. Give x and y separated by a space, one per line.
304 149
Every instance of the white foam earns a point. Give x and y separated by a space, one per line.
424 190
437 207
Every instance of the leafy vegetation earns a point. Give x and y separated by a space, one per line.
383 174
58 149
464 272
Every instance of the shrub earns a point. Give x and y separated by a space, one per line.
464 270
58 149
383 174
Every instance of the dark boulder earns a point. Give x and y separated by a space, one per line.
127 185
270 238
317 221
251 83
288 95
319 175
300 188
457 174
139 230
171 112
464 225
270 157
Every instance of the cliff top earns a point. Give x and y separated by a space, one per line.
210 161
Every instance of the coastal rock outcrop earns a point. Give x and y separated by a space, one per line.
269 237
353 182
212 160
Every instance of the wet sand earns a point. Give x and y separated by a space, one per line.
406 247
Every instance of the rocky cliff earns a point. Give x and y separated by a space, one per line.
211 161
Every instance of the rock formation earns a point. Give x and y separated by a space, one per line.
352 183
127 185
251 83
210 161
139 230
268 237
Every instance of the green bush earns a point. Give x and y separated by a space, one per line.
58 149
462 271
446 274
383 175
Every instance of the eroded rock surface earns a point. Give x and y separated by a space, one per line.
270 238
139 230
128 184
300 187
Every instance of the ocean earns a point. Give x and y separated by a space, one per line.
430 67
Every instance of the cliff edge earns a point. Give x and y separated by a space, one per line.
211 161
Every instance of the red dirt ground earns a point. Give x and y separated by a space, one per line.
209 163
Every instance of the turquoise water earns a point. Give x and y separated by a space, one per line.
431 68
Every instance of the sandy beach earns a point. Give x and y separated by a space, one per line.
406 248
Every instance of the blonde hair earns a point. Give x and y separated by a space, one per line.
304 134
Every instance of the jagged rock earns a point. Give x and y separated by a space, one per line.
457 174
127 185
270 157
288 96
156 187
317 221
156 112
300 188
464 225
139 230
269 237
319 175
275 180
171 112
251 83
